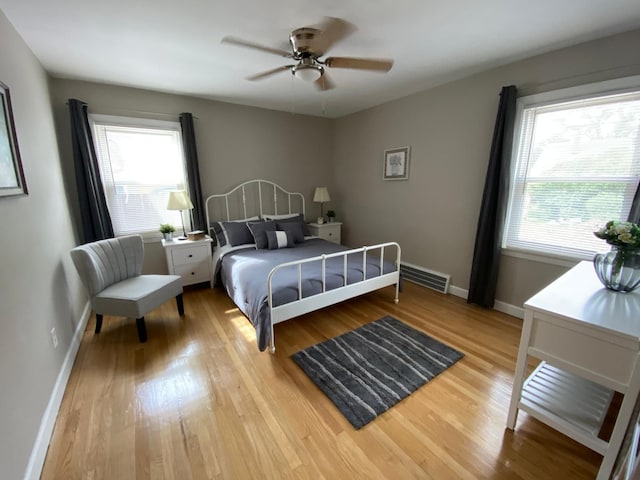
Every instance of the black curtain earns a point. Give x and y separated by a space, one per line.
486 254
191 158
634 212
96 221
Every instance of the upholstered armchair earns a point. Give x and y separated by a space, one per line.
111 271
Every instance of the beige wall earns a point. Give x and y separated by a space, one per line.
39 289
434 214
235 143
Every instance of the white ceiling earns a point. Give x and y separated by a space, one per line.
174 46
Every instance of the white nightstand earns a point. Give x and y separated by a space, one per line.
329 231
191 259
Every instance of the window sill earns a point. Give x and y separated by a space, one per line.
147 237
559 260
151 237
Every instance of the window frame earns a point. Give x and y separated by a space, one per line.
143 123
545 99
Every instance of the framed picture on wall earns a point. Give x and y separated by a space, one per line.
12 180
396 164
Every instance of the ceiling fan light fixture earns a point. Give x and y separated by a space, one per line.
308 47
307 73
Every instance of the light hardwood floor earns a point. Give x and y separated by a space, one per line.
199 401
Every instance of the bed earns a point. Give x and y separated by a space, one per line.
271 267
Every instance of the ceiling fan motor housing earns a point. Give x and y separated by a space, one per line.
302 41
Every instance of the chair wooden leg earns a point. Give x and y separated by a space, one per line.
180 304
98 322
142 329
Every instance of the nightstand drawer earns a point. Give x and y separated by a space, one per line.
327 231
191 259
330 232
193 273
196 254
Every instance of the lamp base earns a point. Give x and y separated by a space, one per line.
181 238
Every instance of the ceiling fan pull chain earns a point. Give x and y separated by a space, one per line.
293 95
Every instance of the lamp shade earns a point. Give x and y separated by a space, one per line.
179 200
321 195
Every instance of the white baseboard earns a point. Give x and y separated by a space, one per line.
458 292
509 309
498 305
39 451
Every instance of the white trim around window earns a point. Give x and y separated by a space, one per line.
575 165
140 160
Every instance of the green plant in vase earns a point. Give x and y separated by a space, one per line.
166 229
619 269
331 215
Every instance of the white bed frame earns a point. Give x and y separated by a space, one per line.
260 197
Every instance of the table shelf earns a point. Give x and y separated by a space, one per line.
588 338
572 404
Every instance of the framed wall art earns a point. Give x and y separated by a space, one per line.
396 164
12 180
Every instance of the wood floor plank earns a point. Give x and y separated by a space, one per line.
199 401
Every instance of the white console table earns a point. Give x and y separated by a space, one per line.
588 339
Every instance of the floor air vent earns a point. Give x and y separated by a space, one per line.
427 278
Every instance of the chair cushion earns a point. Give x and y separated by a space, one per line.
136 296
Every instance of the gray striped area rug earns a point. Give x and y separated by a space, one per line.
368 370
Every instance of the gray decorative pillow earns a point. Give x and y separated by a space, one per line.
279 239
219 234
258 231
294 228
238 233
299 219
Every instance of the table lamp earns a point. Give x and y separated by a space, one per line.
320 196
179 200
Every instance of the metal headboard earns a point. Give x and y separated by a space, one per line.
253 198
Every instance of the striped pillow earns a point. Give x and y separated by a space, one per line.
279 239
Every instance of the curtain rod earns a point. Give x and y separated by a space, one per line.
161 114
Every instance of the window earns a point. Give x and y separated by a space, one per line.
576 166
140 162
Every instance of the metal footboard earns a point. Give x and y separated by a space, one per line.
330 297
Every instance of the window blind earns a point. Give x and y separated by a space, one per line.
139 165
577 167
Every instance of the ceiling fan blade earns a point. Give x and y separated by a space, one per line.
333 30
260 76
375 64
243 43
324 82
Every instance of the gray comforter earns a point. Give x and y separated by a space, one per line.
243 273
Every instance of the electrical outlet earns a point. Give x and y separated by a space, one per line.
54 338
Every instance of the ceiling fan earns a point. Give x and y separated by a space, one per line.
308 44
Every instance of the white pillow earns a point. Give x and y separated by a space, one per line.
280 217
250 219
